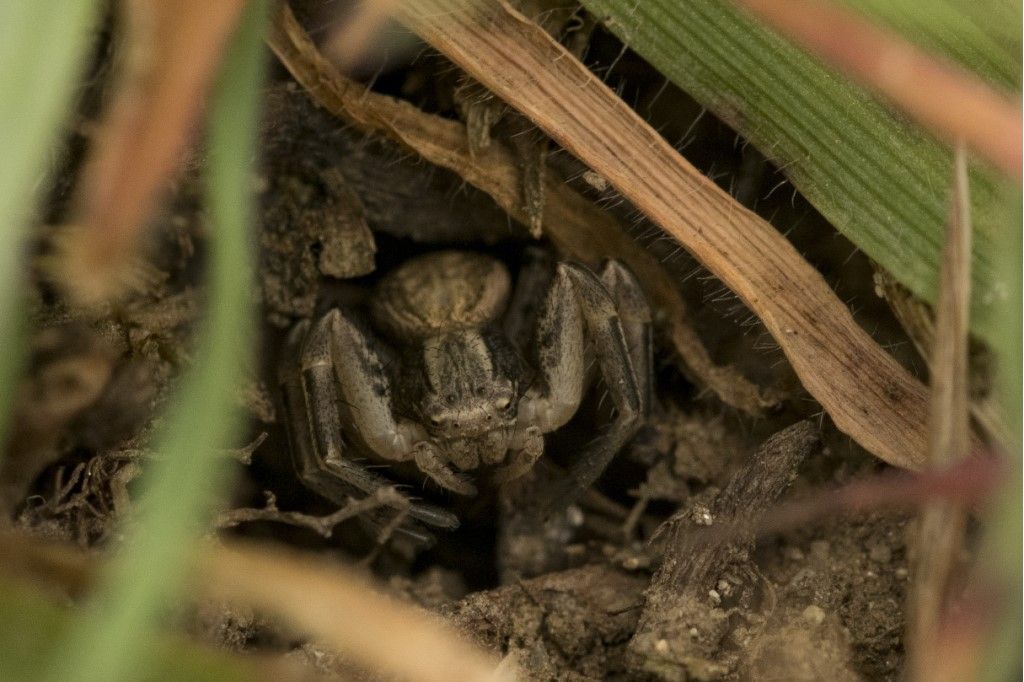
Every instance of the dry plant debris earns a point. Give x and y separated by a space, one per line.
942 523
571 221
322 525
865 391
684 623
918 320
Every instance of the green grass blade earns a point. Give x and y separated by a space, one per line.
179 487
999 556
32 626
878 180
43 48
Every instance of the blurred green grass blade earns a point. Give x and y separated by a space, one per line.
999 558
151 567
31 629
43 48
877 179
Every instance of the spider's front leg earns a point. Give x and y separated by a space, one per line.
578 308
334 354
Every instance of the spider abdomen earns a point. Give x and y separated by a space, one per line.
441 292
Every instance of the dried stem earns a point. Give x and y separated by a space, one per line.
171 50
344 611
323 525
942 524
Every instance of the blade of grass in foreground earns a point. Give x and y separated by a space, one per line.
151 566
43 46
32 625
878 180
999 557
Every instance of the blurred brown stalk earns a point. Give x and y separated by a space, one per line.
169 51
951 102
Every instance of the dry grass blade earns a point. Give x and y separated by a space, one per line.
942 97
171 53
866 392
918 320
344 611
940 535
573 223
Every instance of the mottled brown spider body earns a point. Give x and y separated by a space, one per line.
451 380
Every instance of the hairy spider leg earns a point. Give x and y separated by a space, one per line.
314 427
579 308
635 317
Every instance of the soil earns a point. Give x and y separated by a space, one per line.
656 573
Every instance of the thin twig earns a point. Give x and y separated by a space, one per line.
323 525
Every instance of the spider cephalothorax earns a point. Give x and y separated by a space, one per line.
452 380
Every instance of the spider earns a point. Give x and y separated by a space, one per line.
451 376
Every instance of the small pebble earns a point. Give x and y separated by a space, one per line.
814 614
702 516
661 646
694 633
880 553
716 598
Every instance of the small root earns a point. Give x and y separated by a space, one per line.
322 525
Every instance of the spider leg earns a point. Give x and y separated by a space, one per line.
314 429
532 284
342 349
578 308
635 316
